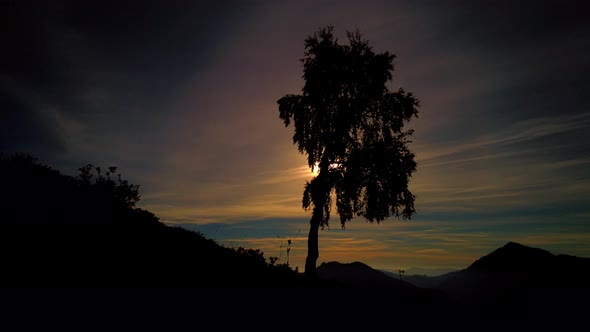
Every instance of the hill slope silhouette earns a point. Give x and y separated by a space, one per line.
81 240
84 234
84 231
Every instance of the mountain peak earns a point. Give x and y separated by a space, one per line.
513 257
515 246
335 264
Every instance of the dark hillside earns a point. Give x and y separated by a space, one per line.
58 230
68 244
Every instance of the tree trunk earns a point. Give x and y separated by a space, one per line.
317 218
313 251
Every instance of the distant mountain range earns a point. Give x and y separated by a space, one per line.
365 284
419 271
512 274
360 274
513 277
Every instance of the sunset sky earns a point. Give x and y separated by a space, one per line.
182 97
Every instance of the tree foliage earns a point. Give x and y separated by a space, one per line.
351 126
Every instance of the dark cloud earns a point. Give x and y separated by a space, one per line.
148 38
506 25
24 130
110 68
496 63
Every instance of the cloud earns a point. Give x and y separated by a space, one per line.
520 132
291 174
431 251
29 123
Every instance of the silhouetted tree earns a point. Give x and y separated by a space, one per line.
351 127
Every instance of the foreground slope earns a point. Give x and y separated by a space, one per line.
80 241
84 231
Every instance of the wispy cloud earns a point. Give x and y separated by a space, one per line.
287 175
526 130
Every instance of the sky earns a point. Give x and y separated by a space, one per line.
182 97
